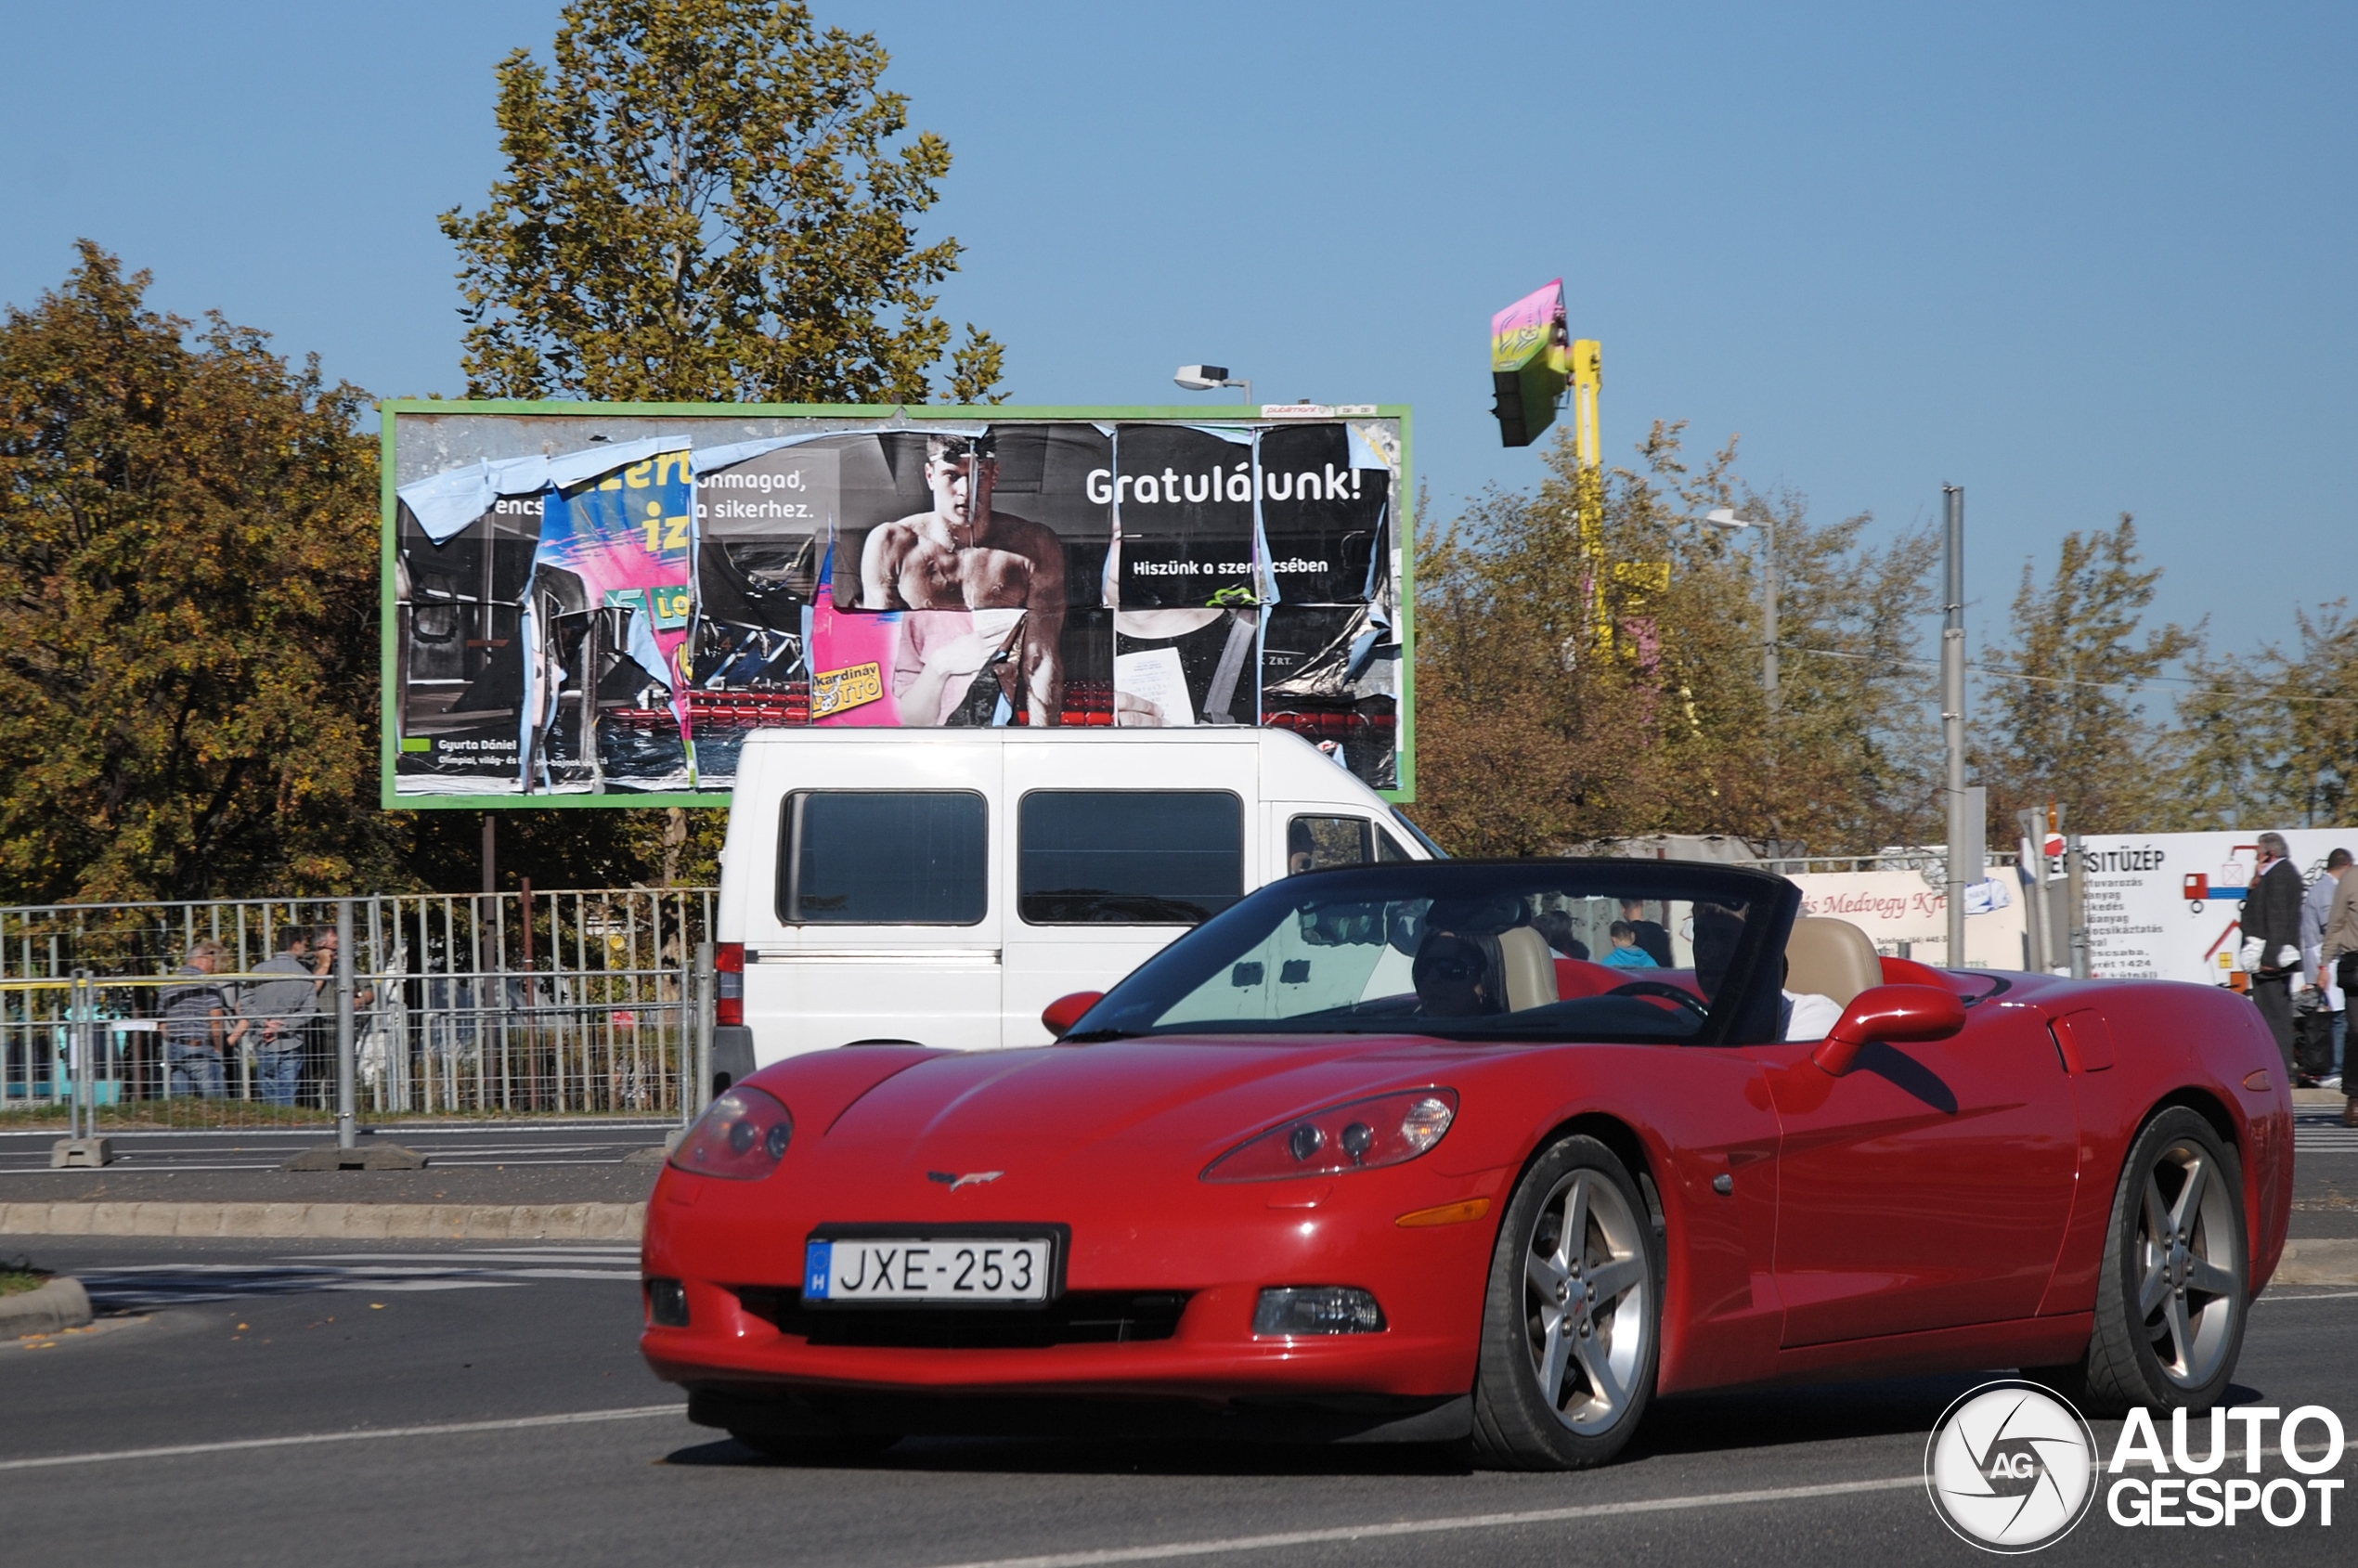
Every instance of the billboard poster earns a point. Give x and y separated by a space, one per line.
592 603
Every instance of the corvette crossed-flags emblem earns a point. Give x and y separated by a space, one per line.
972 1178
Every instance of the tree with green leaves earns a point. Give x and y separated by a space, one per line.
187 604
709 201
2273 736
2066 721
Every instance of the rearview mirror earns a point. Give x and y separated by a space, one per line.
1065 1011
1890 1015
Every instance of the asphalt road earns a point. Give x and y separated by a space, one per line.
412 1402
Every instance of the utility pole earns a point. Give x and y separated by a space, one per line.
2034 899
1953 714
1587 369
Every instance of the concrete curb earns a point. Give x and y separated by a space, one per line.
335 1222
61 1304
2330 1261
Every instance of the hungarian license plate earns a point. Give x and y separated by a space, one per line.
912 1269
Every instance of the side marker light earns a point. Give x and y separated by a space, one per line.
1447 1214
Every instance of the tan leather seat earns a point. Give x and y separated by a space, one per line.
1830 957
1531 968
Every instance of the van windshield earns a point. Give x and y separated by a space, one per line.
1523 949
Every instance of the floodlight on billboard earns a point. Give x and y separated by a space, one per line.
595 602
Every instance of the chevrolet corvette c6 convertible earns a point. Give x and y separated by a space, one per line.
1447 1152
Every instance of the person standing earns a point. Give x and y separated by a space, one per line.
2320 989
196 1009
2338 956
1653 940
276 1012
2272 939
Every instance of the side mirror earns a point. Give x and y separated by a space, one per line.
1889 1014
1065 1011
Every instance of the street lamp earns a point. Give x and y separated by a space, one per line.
1210 377
1725 517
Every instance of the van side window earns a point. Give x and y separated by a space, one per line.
861 856
1128 856
1388 848
1316 843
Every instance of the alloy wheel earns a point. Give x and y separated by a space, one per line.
1587 1313
2189 1281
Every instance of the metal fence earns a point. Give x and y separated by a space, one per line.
573 1002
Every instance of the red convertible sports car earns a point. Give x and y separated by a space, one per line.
1431 1151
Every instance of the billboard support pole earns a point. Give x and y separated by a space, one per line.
707 988
1953 712
347 1106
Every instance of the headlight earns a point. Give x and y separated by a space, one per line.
740 1138
1361 1135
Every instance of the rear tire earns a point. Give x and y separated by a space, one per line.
818 1453
1571 1327
2172 1296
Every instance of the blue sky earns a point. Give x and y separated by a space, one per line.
2079 259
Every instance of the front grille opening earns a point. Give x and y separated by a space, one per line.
1078 1317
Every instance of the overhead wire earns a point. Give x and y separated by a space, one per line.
2061 680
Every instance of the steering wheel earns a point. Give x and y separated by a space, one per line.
1680 994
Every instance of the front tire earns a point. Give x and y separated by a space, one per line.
2171 1299
1572 1321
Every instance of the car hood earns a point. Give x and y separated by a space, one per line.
1041 1113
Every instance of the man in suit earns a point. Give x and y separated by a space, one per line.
2272 939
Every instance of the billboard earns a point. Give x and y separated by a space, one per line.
2169 905
595 602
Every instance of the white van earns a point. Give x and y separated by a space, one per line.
945 886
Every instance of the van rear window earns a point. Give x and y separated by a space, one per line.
1128 856
883 857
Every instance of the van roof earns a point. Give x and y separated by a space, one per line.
1286 760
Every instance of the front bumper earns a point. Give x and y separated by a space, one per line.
1218 1246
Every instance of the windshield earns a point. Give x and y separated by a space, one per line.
1539 950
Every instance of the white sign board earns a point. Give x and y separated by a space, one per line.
1894 907
2169 905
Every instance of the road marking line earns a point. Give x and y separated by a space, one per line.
469 1260
519 1423
1170 1549
2336 1296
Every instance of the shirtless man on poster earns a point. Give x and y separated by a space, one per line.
964 556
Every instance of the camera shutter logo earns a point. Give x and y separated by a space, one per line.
2009 1467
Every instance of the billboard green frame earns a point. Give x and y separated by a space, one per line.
390 411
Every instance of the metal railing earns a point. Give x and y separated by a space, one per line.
1929 861
578 1002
